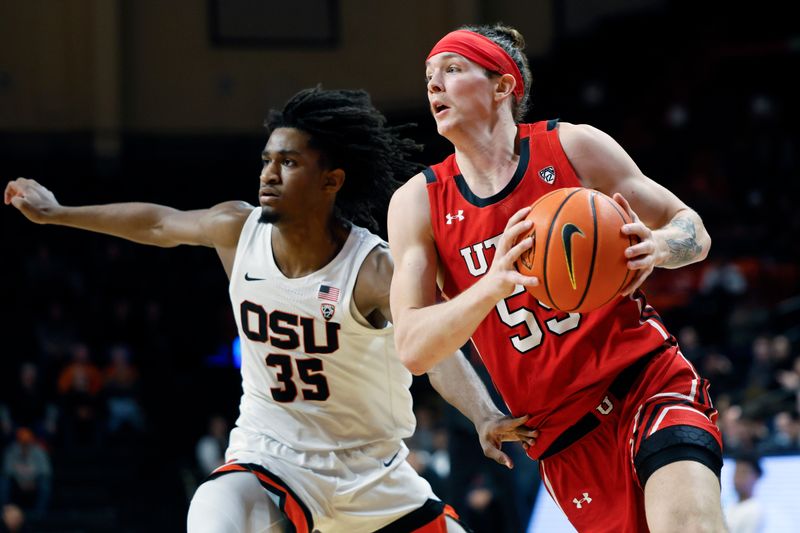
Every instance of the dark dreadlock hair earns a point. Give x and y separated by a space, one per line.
352 135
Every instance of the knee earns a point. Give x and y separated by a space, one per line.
688 520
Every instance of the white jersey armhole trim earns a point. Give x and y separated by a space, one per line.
370 242
244 237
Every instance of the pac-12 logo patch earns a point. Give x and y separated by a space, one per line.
327 310
548 175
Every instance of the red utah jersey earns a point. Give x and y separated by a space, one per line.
552 365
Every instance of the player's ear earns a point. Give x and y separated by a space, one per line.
505 86
333 180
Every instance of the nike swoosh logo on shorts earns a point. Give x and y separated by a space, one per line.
248 278
389 462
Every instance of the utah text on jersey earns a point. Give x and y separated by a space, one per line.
475 252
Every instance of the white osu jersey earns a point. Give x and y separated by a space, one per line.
313 376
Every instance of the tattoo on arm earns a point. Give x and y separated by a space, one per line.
685 249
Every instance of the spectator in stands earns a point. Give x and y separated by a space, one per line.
747 515
781 348
12 519
79 385
689 341
789 380
422 462
121 390
786 434
741 432
719 370
27 405
26 475
760 376
210 449
54 335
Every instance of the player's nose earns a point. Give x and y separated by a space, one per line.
270 173
435 84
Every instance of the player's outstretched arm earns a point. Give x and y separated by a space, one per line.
425 331
456 381
144 223
670 233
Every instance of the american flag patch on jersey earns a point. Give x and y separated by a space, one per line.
328 292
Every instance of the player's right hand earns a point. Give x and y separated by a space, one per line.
503 274
493 432
33 200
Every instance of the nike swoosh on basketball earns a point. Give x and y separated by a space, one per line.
567 231
387 463
248 278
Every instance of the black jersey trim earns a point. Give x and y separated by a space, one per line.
422 516
430 175
620 387
522 167
551 124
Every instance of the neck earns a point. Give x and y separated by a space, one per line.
300 249
488 156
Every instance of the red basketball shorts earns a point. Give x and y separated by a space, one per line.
657 412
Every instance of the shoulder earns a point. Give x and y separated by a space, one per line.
413 189
597 158
371 291
582 136
225 220
410 205
375 273
379 261
232 211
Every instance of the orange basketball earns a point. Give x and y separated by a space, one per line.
578 250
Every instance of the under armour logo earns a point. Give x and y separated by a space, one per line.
457 216
605 407
579 503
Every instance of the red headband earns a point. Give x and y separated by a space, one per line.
482 51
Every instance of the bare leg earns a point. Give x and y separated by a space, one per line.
683 497
234 503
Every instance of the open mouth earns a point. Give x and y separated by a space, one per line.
439 108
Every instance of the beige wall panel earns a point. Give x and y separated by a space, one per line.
46 59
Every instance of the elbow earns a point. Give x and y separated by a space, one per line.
706 249
412 359
415 366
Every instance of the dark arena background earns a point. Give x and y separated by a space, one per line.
122 357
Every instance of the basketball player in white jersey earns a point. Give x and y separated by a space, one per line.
318 444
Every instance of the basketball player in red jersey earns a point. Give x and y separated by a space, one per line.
627 434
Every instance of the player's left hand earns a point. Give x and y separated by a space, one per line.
642 255
495 431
